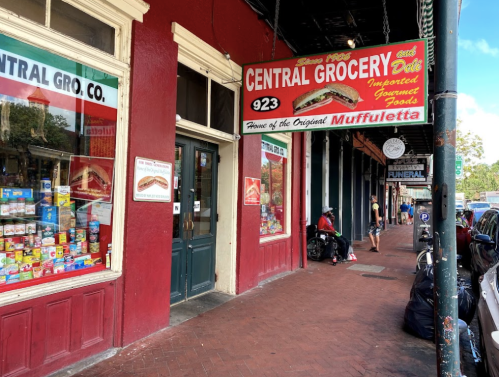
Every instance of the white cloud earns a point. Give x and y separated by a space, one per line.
480 45
465 4
482 123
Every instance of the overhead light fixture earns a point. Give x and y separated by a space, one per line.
395 131
351 43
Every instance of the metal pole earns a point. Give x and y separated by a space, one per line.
444 187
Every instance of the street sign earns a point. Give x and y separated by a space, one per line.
459 166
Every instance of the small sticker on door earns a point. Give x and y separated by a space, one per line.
203 160
197 206
176 208
175 183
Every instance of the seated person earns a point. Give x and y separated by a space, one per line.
326 225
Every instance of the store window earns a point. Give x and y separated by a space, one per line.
197 93
57 150
273 187
66 19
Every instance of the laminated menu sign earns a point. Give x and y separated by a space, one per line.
364 87
152 180
91 178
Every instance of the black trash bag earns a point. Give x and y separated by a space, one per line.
423 283
418 316
466 302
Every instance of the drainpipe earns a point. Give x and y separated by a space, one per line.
303 221
444 187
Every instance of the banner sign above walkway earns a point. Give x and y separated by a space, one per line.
368 87
407 170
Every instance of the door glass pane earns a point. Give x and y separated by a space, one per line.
202 193
222 108
177 185
77 24
192 95
33 10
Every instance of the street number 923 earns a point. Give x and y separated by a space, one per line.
265 104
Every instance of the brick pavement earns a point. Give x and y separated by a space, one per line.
322 321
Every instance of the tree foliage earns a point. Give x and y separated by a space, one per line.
478 177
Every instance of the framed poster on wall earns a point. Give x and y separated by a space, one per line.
152 180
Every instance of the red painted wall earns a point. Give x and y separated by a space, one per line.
148 228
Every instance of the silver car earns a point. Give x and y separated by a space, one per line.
488 320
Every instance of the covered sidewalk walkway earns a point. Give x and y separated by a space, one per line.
323 321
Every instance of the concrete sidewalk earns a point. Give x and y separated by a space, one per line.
323 321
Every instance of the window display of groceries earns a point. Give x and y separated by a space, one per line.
268 223
39 237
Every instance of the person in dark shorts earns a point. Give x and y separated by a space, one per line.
375 225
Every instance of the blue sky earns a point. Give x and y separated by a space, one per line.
478 73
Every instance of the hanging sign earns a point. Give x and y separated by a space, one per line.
393 148
368 87
407 170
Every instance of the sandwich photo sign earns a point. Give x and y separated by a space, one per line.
91 178
152 180
366 87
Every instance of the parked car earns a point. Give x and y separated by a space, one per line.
483 245
488 321
475 205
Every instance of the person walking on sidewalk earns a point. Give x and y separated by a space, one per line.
376 224
404 208
411 213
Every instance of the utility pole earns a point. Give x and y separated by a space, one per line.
444 187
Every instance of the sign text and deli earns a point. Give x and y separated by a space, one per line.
370 87
407 170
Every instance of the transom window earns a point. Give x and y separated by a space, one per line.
66 19
204 101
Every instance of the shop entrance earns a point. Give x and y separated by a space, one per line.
194 218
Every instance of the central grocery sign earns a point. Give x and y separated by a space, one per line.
370 87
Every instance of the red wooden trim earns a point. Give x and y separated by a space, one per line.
50 278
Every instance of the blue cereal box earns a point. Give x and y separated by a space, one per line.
17 193
49 214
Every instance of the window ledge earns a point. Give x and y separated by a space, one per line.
29 293
274 238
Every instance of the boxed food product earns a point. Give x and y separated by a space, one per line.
69 267
58 268
10 257
48 232
64 218
30 259
59 251
81 234
36 252
23 267
11 279
17 193
52 251
61 238
61 196
10 245
2 244
18 255
3 259
26 275
3 279
11 269
48 214
37 272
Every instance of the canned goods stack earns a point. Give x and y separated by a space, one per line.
94 226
